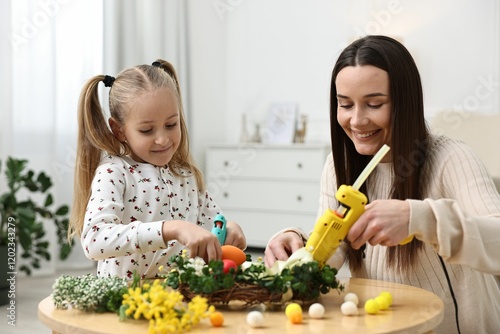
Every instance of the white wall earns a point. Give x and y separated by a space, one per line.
207 49
248 54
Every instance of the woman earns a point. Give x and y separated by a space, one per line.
428 186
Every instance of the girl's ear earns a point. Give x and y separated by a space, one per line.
117 130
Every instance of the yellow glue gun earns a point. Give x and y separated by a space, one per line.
333 226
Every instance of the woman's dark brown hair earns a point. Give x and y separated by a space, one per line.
408 129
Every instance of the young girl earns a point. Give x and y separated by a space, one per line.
432 187
139 199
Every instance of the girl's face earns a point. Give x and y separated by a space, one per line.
152 127
364 107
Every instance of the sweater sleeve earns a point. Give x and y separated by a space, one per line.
105 235
461 217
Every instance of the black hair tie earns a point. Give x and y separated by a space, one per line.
156 64
108 80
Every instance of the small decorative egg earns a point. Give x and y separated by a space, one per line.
227 265
349 308
371 306
387 295
293 312
351 297
233 253
296 317
255 319
382 301
316 311
291 308
217 319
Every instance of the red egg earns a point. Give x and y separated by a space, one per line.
228 264
233 253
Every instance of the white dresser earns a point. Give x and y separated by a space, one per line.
266 188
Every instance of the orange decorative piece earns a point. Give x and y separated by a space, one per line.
233 253
217 319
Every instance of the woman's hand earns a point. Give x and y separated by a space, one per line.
384 222
281 247
235 236
200 242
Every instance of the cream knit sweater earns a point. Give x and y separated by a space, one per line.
459 220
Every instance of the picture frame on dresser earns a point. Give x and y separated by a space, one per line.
281 123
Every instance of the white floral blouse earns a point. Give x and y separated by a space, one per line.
128 204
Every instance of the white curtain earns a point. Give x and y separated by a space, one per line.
139 32
5 85
53 47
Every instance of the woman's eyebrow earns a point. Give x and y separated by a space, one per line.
367 95
375 94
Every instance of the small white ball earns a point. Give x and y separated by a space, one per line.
255 319
352 297
316 311
349 308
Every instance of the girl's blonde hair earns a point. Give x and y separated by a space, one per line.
95 138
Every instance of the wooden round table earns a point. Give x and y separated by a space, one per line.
413 310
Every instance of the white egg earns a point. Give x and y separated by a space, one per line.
349 308
316 311
255 319
351 297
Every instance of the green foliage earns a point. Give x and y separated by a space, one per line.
22 216
307 280
89 292
212 278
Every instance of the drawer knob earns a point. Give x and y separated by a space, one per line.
299 198
225 194
226 163
299 165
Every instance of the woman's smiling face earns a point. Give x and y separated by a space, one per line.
364 107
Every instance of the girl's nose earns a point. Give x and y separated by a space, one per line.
161 140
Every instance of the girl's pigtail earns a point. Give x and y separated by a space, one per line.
169 68
94 138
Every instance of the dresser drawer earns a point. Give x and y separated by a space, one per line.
287 196
266 188
259 227
267 163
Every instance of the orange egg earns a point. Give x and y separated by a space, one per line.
233 253
296 317
216 319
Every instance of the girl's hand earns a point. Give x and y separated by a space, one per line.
281 247
235 236
384 222
200 242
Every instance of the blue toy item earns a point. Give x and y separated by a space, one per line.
219 228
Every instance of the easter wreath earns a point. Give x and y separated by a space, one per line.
191 289
252 282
